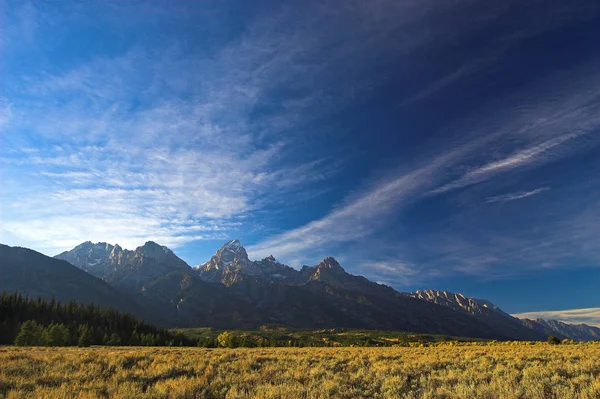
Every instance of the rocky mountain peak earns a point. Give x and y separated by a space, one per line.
116 253
330 263
89 246
230 252
151 246
270 258
159 254
88 256
329 270
83 245
235 243
230 257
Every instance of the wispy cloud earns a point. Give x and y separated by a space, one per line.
178 141
546 129
535 154
516 196
391 272
124 175
590 316
154 136
359 217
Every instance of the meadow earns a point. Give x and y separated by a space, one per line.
449 370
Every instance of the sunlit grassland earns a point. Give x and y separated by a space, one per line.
464 371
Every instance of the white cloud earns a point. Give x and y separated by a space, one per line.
590 316
545 127
191 148
359 217
535 154
156 143
516 196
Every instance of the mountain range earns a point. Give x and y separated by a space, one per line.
231 291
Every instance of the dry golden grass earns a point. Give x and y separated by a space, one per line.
496 371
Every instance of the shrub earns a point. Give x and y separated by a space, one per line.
552 340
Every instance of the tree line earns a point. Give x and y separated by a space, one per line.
34 322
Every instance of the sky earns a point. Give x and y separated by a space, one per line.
449 145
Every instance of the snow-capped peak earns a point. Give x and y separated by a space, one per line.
235 243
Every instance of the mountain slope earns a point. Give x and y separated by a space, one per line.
577 332
231 265
36 275
484 311
327 296
559 329
231 291
153 276
124 269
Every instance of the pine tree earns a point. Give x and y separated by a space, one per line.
147 339
84 337
135 339
15 310
114 340
30 334
56 335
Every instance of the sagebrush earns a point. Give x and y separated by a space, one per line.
463 371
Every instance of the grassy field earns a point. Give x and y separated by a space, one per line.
464 371
336 337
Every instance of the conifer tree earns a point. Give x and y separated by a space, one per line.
56 335
135 339
30 334
114 340
84 336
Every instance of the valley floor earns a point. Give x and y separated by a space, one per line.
467 371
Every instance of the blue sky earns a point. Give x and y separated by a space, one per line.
424 144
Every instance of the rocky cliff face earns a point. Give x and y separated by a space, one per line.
483 310
151 275
576 332
230 265
124 268
231 291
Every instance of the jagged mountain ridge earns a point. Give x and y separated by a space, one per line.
36 275
231 291
122 267
153 276
460 301
561 330
492 315
483 310
231 265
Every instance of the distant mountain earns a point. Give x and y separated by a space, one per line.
577 332
483 310
153 276
231 291
124 269
230 265
327 296
506 324
36 275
